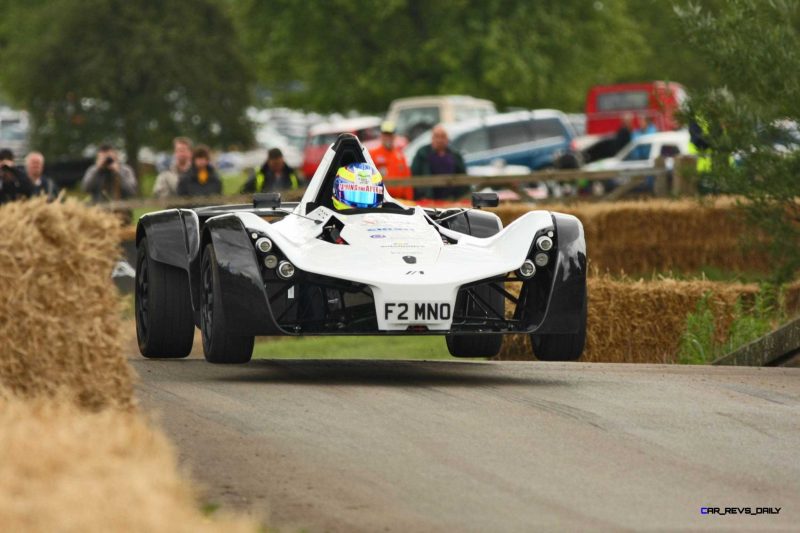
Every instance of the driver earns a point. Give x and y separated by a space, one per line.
357 186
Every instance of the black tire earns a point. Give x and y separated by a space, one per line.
479 345
219 346
485 345
163 308
564 347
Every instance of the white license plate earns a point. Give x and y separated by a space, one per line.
417 311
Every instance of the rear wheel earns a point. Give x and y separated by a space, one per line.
564 347
219 346
478 345
163 308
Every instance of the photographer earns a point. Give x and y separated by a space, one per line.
14 185
109 179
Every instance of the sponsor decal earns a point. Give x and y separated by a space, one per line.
378 236
363 177
390 229
396 244
361 187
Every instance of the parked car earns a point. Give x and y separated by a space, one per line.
14 126
643 151
321 136
578 122
528 138
417 114
607 104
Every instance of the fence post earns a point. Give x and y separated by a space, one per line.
683 175
661 187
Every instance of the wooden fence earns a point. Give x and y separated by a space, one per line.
681 184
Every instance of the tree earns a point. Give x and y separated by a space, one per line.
752 114
131 70
361 54
665 55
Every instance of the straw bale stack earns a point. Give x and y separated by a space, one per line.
642 237
59 318
642 321
77 456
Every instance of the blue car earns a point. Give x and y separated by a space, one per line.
529 138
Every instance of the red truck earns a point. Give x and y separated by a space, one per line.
607 104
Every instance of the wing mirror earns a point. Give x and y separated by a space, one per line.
485 199
267 200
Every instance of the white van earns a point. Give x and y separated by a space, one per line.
417 114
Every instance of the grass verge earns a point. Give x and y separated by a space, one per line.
352 348
701 342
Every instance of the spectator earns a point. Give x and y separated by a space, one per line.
391 162
439 158
14 185
273 176
167 181
201 179
109 179
649 126
625 132
40 184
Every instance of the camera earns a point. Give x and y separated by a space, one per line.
7 171
108 161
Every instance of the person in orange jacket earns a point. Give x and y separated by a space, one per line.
391 162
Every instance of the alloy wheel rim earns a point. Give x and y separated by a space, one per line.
142 301
207 314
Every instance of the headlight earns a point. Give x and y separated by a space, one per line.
527 270
544 243
541 259
285 269
264 245
271 261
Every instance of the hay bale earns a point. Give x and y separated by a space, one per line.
66 469
642 321
642 237
59 310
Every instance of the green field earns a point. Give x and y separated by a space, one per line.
352 348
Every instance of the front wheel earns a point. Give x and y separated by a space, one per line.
483 344
219 346
561 347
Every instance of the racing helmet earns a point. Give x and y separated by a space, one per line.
358 185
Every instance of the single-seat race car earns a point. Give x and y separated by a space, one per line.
314 268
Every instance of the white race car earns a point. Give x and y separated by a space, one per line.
305 268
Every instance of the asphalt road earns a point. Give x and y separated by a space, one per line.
486 446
